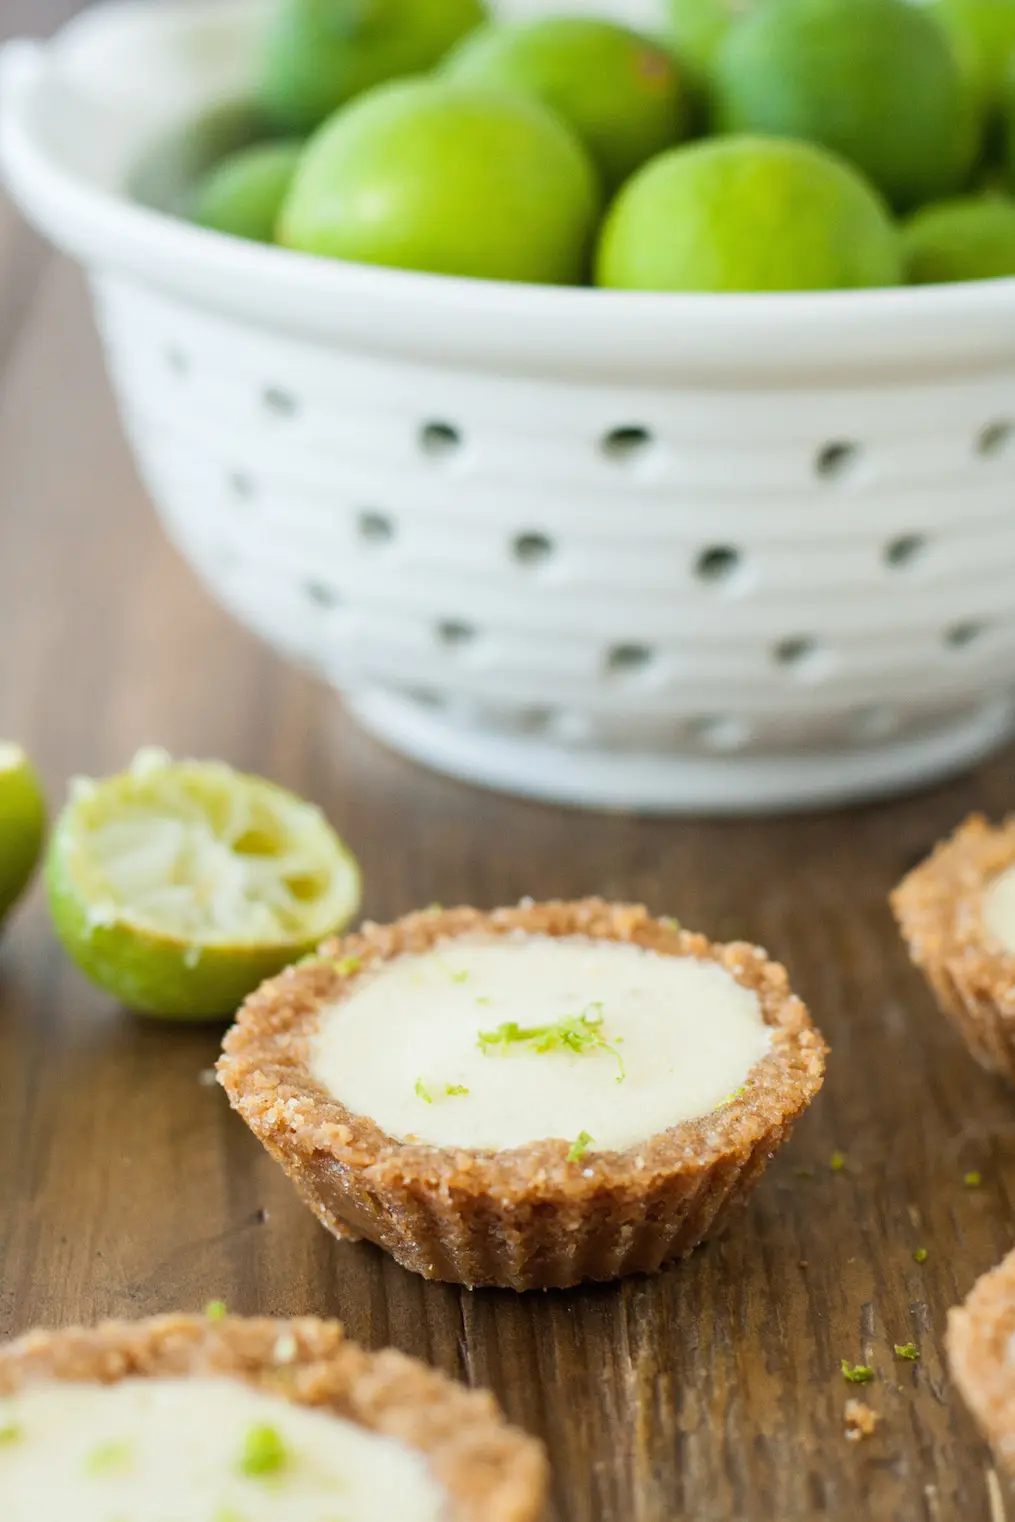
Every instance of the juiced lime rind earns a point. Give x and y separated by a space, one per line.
229 912
434 175
320 54
623 94
876 81
22 824
748 214
968 238
243 194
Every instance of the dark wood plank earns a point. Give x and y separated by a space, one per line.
126 1186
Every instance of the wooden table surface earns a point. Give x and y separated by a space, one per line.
127 1187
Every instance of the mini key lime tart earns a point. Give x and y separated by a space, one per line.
189 1419
957 915
527 1098
981 1351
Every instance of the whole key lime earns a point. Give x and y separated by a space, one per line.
624 95
969 238
435 175
318 54
699 27
22 824
243 194
876 81
984 30
180 886
748 214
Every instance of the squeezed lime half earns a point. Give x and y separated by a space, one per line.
22 824
180 886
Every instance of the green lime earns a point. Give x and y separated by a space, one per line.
180 886
1008 124
984 32
433 175
969 238
874 80
748 214
321 53
623 95
699 27
22 824
243 194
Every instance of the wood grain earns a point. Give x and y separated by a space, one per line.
712 1393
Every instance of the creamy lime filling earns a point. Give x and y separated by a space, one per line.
495 1043
198 1450
999 909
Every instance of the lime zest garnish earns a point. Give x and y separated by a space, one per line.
423 1093
579 1147
346 966
461 976
573 1033
731 1097
453 1090
10 1433
483 999
216 1310
857 1373
108 1458
907 1350
264 1453
921 1255
669 922
972 1180
837 1161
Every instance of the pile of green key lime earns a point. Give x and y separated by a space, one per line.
750 145
177 886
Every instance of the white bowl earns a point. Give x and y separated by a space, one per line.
723 553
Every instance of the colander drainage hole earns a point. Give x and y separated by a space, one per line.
375 528
721 732
241 486
321 595
718 564
961 636
838 460
454 634
996 439
905 551
629 660
279 402
627 445
440 440
801 656
533 549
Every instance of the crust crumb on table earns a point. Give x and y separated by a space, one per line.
860 1420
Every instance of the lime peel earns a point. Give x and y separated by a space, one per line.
22 824
180 886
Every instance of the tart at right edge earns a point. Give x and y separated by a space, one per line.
956 911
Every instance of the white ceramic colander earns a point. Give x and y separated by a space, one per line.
664 552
